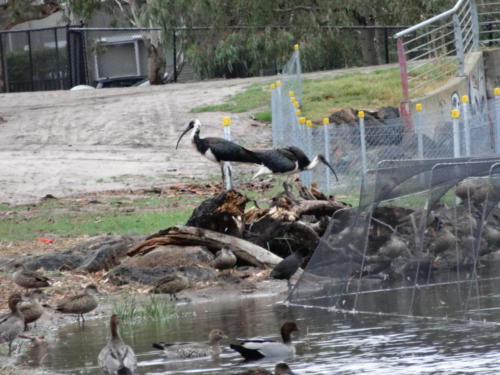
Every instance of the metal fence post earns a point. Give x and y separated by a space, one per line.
299 71
309 135
279 112
455 116
475 25
30 54
361 117
296 128
497 119
466 117
274 116
228 170
326 138
459 44
174 52
4 77
419 131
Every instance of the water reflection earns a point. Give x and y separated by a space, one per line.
329 342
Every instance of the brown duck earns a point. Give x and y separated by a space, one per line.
81 303
117 358
31 309
194 350
224 259
171 284
29 279
11 324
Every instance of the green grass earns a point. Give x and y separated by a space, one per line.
76 224
254 96
155 308
321 97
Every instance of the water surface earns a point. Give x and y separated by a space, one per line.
329 342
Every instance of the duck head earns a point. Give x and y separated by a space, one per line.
216 335
14 300
193 124
286 331
92 289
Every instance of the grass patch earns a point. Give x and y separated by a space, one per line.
254 96
155 308
76 224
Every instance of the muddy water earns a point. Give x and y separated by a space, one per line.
329 342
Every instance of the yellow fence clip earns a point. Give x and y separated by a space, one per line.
309 123
418 107
361 114
272 86
295 46
496 91
291 93
465 99
455 113
226 121
278 83
326 121
302 120
298 112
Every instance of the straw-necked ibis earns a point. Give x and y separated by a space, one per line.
288 160
218 150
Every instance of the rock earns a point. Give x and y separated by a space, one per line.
99 253
123 274
172 255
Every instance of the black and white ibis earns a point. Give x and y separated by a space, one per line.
218 150
288 160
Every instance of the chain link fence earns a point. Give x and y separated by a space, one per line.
355 146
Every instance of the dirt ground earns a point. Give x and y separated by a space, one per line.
66 143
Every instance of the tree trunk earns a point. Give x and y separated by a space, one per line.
156 63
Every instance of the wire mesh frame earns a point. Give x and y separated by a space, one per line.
334 276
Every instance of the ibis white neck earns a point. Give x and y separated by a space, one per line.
313 163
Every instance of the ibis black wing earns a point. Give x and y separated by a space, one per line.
299 155
279 160
225 150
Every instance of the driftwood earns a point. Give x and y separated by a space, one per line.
185 235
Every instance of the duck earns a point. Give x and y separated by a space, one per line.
257 349
224 259
285 269
29 279
32 310
194 350
11 324
117 358
171 284
81 303
279 369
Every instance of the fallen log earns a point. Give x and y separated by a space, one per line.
185 235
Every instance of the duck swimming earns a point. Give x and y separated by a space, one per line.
29 279
194 350
117 358
81 303
257 349
11 324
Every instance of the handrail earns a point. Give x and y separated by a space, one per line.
430 20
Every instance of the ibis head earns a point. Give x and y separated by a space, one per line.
325 162
193 124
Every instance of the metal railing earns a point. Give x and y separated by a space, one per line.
488 12
436 48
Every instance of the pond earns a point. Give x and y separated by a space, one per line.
328 343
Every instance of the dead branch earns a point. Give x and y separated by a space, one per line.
184 235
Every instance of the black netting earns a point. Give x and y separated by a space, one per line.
420 243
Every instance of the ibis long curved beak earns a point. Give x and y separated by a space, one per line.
325 162
182 135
